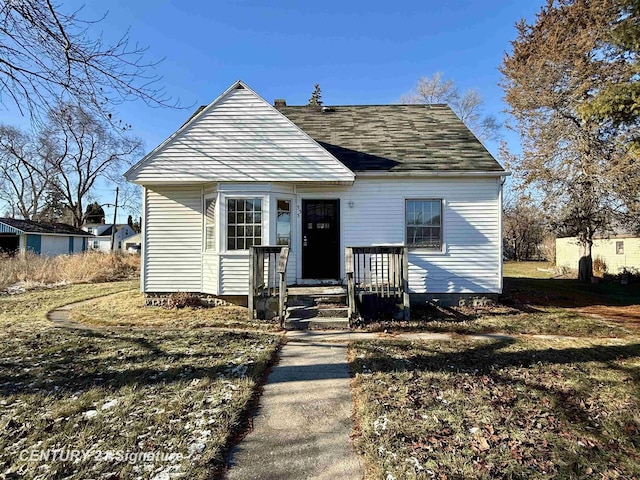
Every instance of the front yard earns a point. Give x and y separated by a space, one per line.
521 407
147 392
501 409
536 303
119 403
127 309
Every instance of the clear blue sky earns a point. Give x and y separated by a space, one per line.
360 52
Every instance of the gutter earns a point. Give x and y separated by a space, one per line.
431 173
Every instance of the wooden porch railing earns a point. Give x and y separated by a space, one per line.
267 281
382 271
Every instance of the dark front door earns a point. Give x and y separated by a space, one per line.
321 239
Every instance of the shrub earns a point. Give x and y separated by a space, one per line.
87 267
599 267
183 300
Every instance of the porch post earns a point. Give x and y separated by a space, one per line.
252 283
405 282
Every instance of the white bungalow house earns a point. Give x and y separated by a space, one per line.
102 236
243 173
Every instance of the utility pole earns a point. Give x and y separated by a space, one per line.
113 227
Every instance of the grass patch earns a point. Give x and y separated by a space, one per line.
123 393
528 270
525 284
87 267
536 303
504 409
519 320
27 309
127 309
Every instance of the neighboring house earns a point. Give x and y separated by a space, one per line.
132 244
242 173
102 236
20 236
618 252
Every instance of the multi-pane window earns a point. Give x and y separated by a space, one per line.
244 223
423 223
620 248
209 224
283 223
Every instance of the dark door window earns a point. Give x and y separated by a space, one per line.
321 239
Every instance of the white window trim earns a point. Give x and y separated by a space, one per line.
443 232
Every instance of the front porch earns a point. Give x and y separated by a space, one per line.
376 284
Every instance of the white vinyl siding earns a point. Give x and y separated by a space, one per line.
372 213
234 274
240 137
210 273
470 259
173 239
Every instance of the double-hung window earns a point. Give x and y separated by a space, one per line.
244 223
423 223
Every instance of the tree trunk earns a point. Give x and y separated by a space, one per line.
77 216
585 265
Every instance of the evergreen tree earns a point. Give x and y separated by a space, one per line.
130 221
94 213
54 209
316 97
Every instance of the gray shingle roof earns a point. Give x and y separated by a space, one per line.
395 137
29 226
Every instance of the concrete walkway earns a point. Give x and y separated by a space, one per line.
302 428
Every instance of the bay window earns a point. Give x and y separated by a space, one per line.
244 223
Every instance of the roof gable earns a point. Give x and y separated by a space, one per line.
239 137
396 138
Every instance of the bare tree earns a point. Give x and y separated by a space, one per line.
82 149
23 176
577 164
469 105
48 55
523 229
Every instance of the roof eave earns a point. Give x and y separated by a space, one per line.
171 182
433 173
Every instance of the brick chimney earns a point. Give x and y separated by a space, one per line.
279 103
